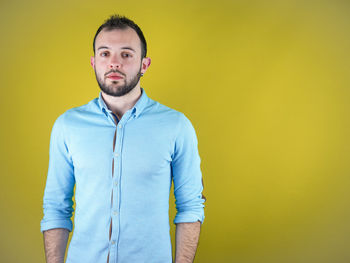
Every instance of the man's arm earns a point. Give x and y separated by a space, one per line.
55 243
186 239
188 188
57 202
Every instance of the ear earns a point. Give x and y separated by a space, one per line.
92 61
146 62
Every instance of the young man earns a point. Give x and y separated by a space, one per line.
122 151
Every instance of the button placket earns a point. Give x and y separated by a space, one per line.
112 234
115 215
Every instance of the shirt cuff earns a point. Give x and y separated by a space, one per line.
185 217
60 223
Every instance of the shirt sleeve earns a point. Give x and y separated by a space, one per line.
57 201
187 175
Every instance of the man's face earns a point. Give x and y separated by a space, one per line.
117 61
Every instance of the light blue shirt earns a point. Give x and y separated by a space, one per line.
123 188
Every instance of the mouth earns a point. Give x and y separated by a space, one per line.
114 76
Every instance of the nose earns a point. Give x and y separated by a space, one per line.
114 63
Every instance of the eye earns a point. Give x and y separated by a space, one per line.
104 54
126 55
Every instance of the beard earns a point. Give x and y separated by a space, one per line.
121 90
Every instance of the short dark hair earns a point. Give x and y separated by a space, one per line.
122 22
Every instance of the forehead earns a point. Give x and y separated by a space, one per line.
118 38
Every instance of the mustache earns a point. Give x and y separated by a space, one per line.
115 71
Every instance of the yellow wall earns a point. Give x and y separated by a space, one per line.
265 84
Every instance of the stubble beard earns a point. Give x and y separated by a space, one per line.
119 90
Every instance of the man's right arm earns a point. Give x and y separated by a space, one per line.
57 203
55 243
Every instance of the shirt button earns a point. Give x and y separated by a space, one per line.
116 154
120 126
115 213
113 242
116 183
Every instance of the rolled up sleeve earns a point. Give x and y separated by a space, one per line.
187 176
57 201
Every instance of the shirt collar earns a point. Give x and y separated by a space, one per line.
136 109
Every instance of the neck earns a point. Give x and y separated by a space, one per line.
120 105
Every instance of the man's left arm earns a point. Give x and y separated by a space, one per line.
186 240
188 189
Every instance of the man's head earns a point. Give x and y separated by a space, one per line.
119 56
122 22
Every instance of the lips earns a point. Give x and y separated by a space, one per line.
114 76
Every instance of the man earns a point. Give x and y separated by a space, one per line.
122 151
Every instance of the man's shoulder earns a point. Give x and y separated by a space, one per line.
78 112
88 108
166 113
174 119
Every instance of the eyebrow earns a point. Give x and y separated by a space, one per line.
105 47
102 47
129 48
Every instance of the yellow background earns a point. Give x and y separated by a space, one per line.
265 84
